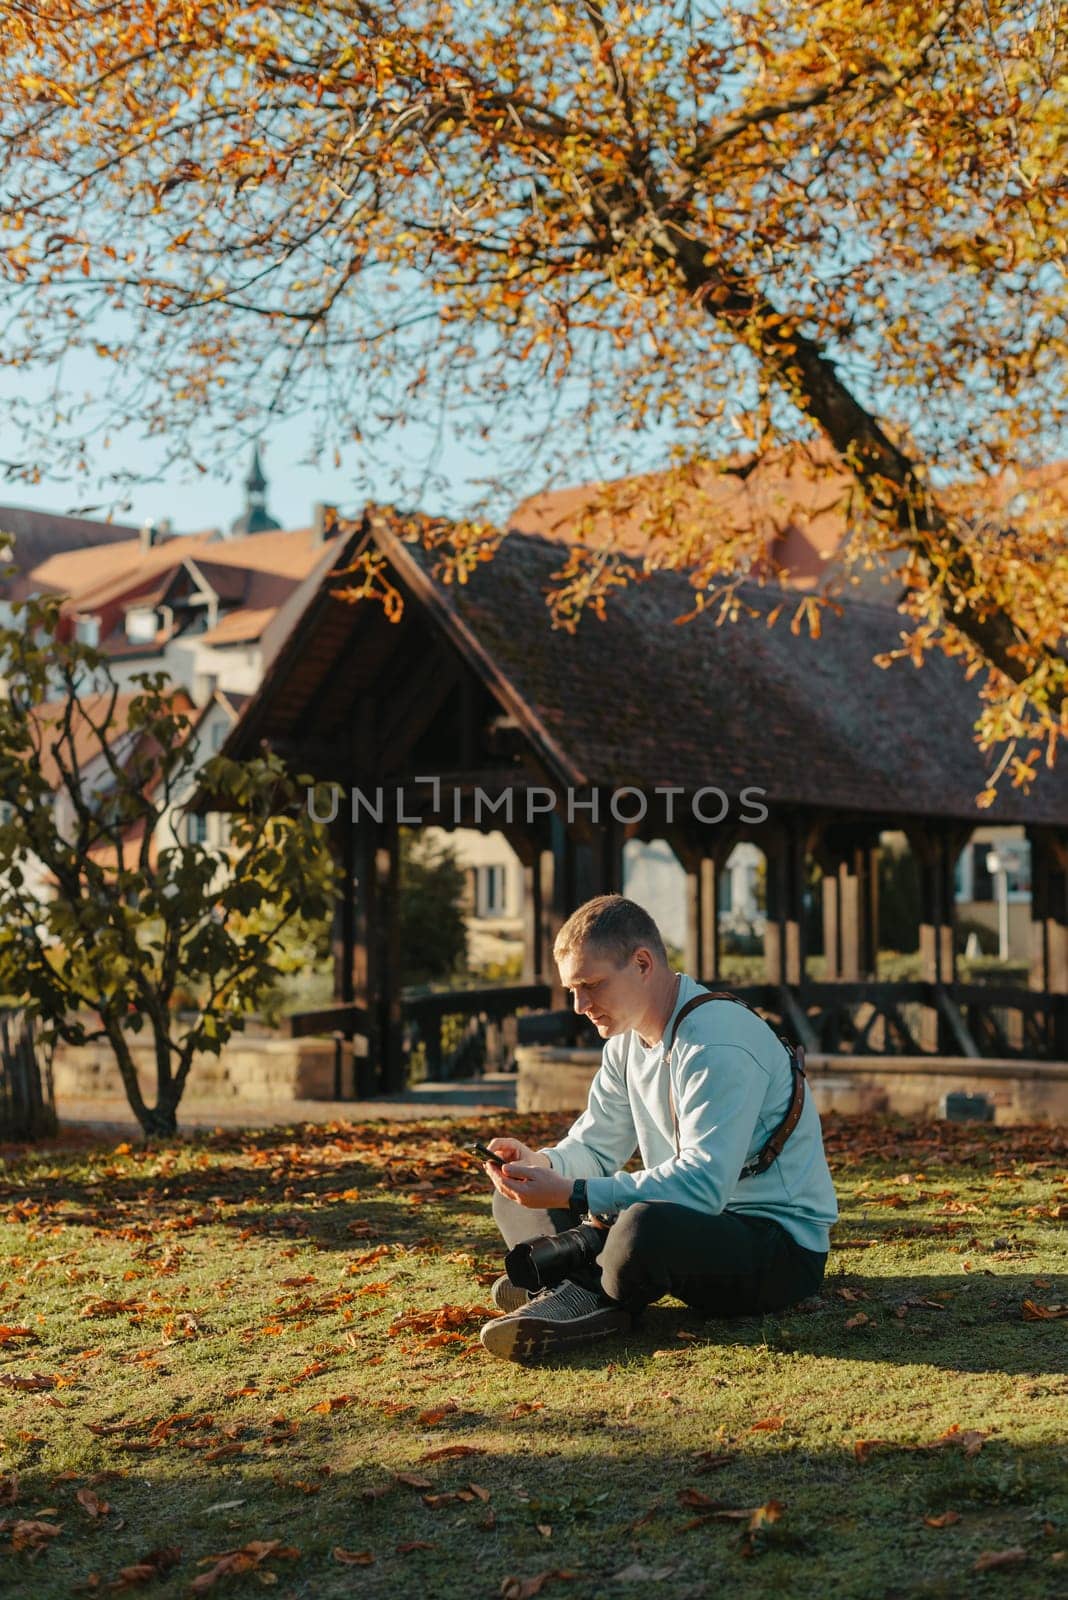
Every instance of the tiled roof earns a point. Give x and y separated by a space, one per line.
635 699
793 503
40 535
93 577
238 627
89 716
638 700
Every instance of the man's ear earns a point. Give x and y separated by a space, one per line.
645 961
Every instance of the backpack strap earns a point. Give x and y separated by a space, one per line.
774 1146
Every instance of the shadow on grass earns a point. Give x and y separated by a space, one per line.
601 1514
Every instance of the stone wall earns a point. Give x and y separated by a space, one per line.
1021 1091
256 1069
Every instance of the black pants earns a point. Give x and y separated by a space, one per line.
725 1266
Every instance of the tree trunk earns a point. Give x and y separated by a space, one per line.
160 1120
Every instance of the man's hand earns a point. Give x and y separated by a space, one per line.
533 1186
515 1150
527 1176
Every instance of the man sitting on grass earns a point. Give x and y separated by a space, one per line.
696 1223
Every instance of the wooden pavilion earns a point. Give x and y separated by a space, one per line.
802 746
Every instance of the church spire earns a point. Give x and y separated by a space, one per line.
255 518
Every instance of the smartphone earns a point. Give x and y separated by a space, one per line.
486 1153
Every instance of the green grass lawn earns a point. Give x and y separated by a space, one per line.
267 1344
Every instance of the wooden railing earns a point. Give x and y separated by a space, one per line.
866 1018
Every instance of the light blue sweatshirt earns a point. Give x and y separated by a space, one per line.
732 1083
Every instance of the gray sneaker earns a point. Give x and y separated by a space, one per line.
553 1321
506 1296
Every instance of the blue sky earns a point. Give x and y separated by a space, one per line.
194 501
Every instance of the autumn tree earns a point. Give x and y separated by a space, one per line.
587 234
108 915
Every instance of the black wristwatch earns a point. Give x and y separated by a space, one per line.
577 1204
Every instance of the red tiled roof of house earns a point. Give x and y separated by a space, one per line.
237 627
793 503
95 721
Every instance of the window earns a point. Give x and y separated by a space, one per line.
87 630
196 829
218 737
1016 856
491 892
141 625
724 890
982 882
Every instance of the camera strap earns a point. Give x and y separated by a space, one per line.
771 1151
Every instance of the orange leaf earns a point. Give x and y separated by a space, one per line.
431 1418
1033 1312
90 1503
945 1519
336 1404
453 1450
353 1558
768 1425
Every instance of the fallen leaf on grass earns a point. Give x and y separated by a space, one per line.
1033 1312
413 1480
525 1588
637 1573
30 1535
39 1380
859 1321
970 1440
990 1559
353 1558
149 1568
945 1519
91 1504
452 1450
522 1407
414 1544
432 1418
9 1335
768 1425
693 1498
9 1489
711 1461
248 1559
337 1403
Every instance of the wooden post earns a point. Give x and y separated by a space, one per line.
784 936
701 953
343 843
850 889
392 1074
528 850
1049 927
936 847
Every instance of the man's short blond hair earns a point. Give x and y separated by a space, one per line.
615 927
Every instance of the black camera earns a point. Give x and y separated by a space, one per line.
543 1263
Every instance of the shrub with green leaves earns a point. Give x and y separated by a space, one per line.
108 917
